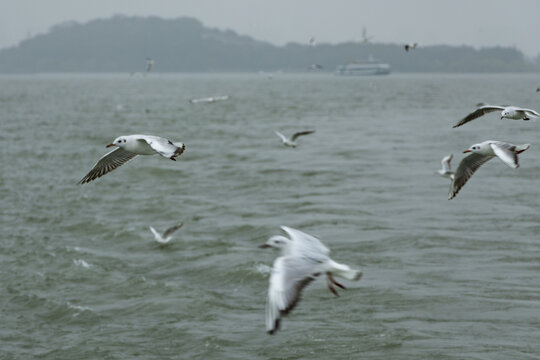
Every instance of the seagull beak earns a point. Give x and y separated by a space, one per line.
502 117
466 151
264 246
109 145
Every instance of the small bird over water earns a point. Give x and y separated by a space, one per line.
303 258
291 142
445 170
481 153
410 46
149 64
508 112
167 235
128 147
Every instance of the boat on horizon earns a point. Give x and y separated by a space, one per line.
364 68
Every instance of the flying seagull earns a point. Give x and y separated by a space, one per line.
303 258
149 64
167 235
291 142
128 147
410 46
509 112
481 153
445 170
211 99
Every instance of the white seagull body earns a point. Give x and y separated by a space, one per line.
508 112
446 171
167 235
481 153
130 146
291 142
303 258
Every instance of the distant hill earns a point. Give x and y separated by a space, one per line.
122 44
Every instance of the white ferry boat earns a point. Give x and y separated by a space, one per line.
370 67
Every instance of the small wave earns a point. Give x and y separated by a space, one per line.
78 307
82 263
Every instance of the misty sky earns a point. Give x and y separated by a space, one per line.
455 22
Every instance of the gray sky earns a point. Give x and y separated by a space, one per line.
455 22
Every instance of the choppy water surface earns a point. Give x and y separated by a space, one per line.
83 279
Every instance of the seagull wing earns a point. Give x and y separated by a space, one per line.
283 138
107 163
305 244
301 133
446 162
507 153
163 146
171 230
157 235
530 112
465 170
290 275
477 113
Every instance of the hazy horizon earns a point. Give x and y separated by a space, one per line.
480 23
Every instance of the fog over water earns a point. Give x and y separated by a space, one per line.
481 23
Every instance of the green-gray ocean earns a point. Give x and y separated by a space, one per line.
82 278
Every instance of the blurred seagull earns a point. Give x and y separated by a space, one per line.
445 170
167 235
315 67
410 46
312 41
509 112
291 142
128 147
149 64
481 153
303 258
210 99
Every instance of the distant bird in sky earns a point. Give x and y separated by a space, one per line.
537 89
167 235
365 37
446 171
303 258
480 154
149 64
315 67
508 112
128 147
410 46
312 42
291 142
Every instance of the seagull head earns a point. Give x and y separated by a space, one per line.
474 148
504 114
277 241
119 141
